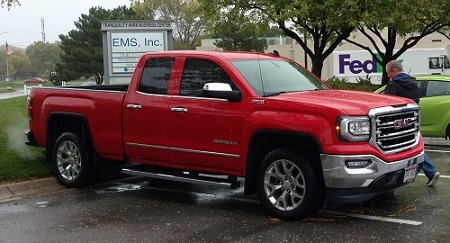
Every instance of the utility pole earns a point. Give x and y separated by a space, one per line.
42 30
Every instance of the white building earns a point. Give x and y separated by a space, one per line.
288 47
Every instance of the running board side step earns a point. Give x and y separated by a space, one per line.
189 177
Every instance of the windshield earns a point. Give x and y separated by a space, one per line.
272 77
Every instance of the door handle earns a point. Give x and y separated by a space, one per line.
134 106
179 109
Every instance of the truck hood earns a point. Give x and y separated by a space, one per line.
345 101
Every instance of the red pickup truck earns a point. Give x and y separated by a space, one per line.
221 118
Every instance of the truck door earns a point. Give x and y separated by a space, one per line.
207 133
146 113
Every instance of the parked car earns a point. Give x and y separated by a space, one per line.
34 80
434 105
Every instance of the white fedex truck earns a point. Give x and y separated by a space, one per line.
352 64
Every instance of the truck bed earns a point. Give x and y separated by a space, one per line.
100 106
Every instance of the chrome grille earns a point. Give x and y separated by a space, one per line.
396 130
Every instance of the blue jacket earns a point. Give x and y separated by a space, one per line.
405 86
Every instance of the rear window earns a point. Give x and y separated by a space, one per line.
437 88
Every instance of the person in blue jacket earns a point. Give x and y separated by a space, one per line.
402 84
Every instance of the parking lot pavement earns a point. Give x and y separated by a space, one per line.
14 191
436 142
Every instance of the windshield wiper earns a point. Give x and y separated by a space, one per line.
274 94
285 92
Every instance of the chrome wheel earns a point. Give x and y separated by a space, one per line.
284 185
68 160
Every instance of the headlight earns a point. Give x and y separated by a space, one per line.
353 128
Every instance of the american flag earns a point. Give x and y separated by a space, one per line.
9 50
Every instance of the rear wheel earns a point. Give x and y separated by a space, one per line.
71 161
287 185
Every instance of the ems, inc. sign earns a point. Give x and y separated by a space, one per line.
125 41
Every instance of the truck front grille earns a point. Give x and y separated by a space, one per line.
396 130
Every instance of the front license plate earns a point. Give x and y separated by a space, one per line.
410 174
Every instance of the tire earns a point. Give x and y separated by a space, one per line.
287 186
71 161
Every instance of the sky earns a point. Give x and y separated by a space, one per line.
21 25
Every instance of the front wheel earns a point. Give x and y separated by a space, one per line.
71 161
287 186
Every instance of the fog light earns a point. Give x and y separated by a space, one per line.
357 164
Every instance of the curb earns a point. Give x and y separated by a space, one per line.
14 191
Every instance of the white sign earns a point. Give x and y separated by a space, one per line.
127 48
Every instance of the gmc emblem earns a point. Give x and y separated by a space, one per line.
402 123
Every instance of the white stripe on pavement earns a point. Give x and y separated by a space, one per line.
376 218
437 150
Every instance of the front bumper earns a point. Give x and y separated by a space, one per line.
348 185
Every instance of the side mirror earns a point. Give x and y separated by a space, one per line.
221 91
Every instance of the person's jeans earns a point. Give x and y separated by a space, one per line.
428 168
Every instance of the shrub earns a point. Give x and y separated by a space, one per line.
363 84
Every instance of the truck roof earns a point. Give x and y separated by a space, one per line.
230 55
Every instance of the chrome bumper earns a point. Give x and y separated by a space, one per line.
338 175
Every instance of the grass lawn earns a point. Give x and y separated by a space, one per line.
18 161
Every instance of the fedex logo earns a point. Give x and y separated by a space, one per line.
358 66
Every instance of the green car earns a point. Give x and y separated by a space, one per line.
434 105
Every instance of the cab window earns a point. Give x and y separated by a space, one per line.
198 72
155 76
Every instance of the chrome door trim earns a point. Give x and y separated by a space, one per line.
182 150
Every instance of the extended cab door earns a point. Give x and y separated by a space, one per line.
207 132
146 113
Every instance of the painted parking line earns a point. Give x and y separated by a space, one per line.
375 218
437 150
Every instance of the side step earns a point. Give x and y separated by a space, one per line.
230 182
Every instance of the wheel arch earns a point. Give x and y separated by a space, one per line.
61 122
264 141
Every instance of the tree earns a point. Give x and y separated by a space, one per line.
325 22
18 65
189 21
83 48
238 32
383 21
9 3
42 57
